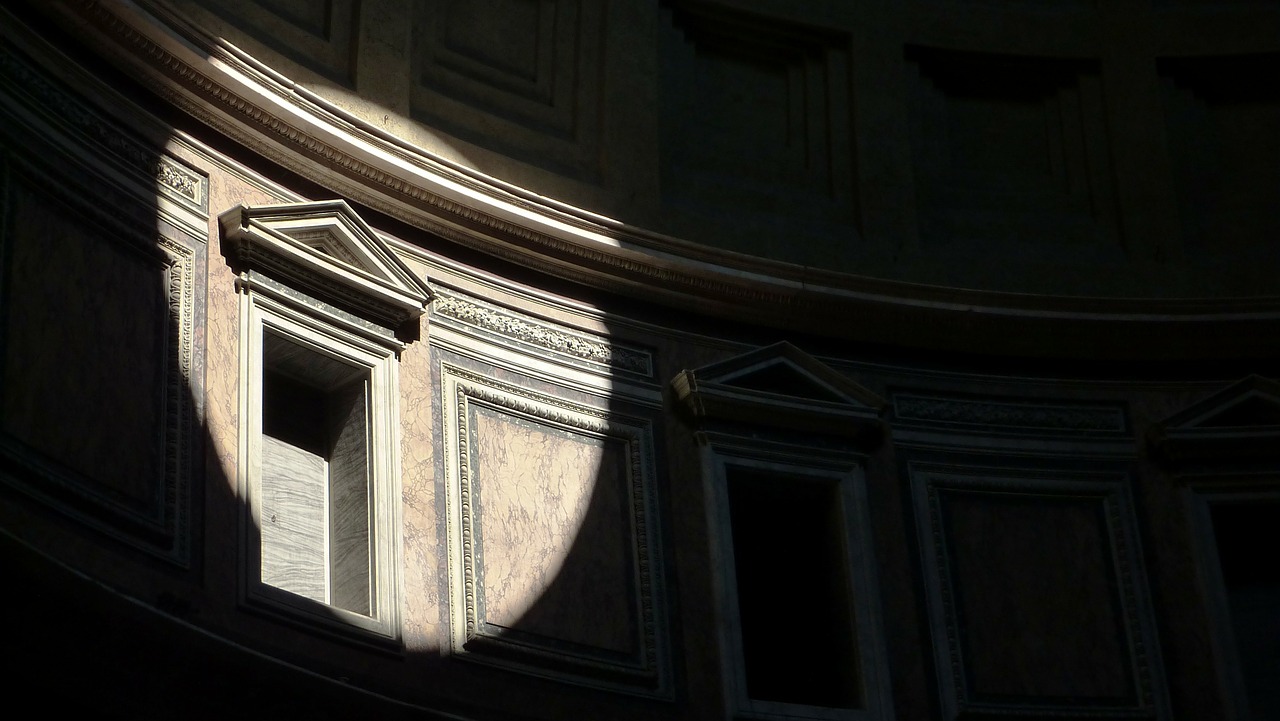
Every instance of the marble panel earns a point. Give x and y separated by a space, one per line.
424 576
349 547
555 538
1036 597
86 346
222 376
554 568
293 519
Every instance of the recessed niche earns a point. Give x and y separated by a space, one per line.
787 528
521 77
1251 584
321 36
757 119
1223 120
1010 152
315 476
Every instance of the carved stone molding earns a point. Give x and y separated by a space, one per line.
781 387
326 250
635 663
1023 417
453 308
63 108
1119 676
1237 425
286 124
151 514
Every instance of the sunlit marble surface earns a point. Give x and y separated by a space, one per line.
555 541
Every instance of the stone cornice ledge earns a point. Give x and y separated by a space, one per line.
272 116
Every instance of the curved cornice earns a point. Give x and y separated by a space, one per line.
272 116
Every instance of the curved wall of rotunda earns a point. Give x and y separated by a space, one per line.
550 359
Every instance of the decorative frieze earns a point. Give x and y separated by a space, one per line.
573 346
1015 416
59 105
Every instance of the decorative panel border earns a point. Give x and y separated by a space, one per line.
472 638
159 525
116 182
931 481
947 412
486 321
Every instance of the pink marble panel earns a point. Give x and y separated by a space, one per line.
222 379
556 543
421 551
222 384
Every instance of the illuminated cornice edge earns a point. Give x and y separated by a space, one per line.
247 101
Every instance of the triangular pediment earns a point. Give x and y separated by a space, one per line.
1241 418
327 250
1251 403
784 370
782 386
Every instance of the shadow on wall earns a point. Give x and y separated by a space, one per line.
121 515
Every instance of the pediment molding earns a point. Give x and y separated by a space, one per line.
324 249
1238 423
780 386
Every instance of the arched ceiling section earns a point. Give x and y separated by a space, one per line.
854 172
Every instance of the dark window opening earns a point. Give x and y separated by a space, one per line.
1246 535
794 591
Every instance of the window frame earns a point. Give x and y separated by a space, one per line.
260 314
1203 492
800 464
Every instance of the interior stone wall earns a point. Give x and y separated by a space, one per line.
1074 147
1036 545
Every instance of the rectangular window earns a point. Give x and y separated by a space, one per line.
789 534
1244 533
795 581
325 309
315 476
319 472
